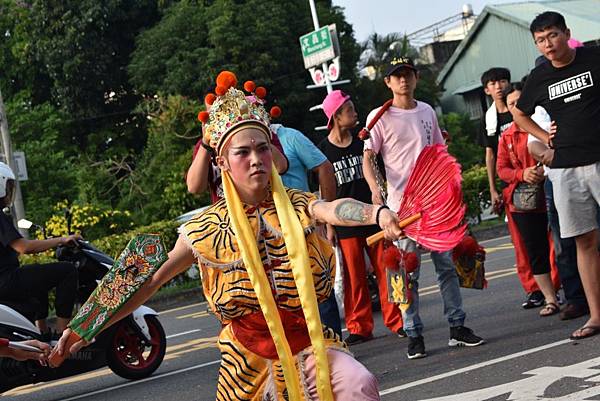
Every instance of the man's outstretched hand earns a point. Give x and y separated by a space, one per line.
65 347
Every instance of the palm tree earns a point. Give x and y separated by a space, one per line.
378 50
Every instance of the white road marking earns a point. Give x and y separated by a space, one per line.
494 239
472 367
384 392
104 390
537 383
183 333
181 308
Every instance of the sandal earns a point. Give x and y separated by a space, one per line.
591 331
549 309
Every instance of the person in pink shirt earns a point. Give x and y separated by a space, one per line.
399 136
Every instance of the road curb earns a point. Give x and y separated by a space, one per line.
184 297
483 234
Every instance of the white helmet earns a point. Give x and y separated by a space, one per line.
6 174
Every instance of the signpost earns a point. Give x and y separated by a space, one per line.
317 47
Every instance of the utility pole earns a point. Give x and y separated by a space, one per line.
315 18
18 208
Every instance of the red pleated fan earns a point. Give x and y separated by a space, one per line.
434 190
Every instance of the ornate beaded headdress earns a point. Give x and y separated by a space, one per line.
231 109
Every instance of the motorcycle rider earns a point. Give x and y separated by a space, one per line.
21 284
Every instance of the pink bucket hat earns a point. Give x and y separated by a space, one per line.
332 103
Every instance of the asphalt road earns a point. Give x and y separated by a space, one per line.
525 358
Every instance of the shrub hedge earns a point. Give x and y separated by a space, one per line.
114 244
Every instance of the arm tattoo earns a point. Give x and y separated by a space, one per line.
350 210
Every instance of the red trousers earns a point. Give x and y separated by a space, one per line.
522 260
357 301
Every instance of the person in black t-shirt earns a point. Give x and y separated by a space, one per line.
568 89
497 118
496 82
21 284
345 152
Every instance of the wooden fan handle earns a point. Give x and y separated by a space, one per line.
56 360
373 239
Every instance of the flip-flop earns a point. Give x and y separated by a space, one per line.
549 309
591 330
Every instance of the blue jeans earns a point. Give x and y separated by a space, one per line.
330 315
565 254
449 288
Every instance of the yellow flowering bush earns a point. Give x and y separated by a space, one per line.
89 220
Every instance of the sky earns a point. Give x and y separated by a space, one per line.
402 16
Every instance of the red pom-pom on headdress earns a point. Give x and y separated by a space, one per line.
249 86
210 99
275 112
226 79
261 92
203 117
220 90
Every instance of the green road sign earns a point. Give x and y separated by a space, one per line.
317 47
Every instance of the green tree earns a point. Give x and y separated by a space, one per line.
256 39
20 70
170 57
85 46
463 144
39 131
156 189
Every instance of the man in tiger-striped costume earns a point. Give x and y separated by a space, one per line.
264 268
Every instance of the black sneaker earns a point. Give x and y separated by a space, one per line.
462 336
354 339
416 348
534 300
401 333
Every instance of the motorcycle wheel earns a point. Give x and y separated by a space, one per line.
131 356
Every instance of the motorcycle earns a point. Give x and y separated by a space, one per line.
133 348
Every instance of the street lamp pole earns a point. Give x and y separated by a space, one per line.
19 209
315 18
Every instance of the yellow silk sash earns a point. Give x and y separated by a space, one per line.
295 241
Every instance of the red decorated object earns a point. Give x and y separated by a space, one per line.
261 92
432 209
393 258
365 133
249 86
209 99
275 112
226 79
468 247
469 259
203 117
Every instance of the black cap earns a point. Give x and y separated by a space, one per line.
400 62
